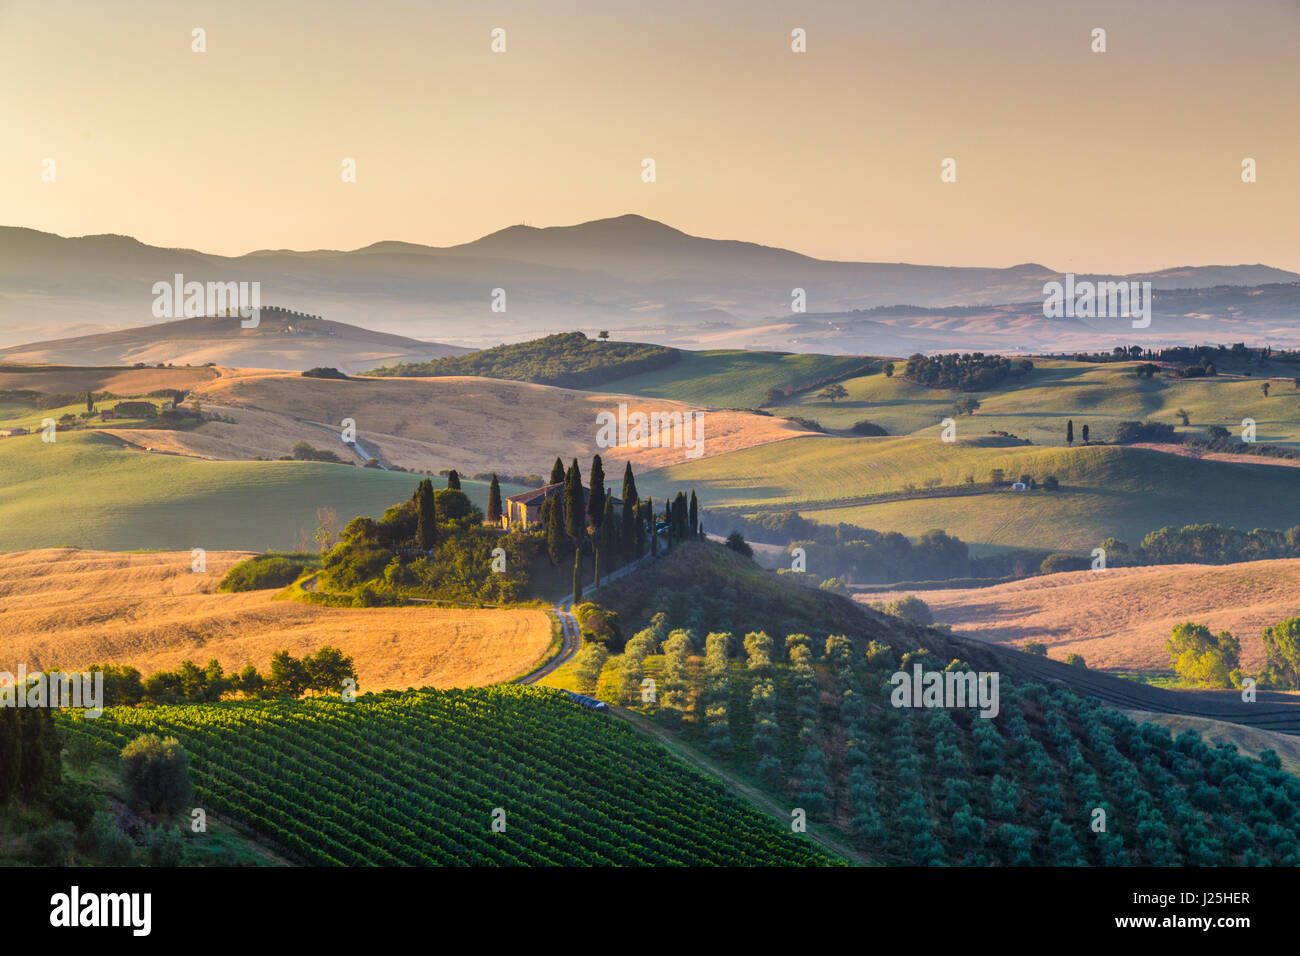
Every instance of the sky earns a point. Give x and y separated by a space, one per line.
1122 161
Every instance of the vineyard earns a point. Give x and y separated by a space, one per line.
504 776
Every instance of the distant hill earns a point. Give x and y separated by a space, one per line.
628 274
568 359
280 341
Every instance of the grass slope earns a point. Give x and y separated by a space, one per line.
417 779
1105 490
1038 405
85 490
733 378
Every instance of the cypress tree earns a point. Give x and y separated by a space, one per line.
608 535
557 472
1085 434
1069 432
695 515
651 530
638 534
426 516
553 512
575 519
596 499
577 577
494 501
90 401
628 535
453 480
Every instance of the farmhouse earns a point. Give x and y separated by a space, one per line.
524 510
10 432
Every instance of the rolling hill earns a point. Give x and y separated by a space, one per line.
88 490
1105 490
735 378
475 425
278 342
1037 405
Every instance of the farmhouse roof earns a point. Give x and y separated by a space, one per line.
538 495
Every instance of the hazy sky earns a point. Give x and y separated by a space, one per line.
1121 161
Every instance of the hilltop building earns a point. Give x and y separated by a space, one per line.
524 510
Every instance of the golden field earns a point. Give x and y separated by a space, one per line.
1119 619
472 424
70 608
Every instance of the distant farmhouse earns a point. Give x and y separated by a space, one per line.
10 432
524 510
133 410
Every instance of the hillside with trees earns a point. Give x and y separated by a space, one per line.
567 359
806 709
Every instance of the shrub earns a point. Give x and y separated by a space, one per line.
106 841
868 427
166 846
156 773
909 608
736 542
1055 563
1076 660
305 451
52 845
263 571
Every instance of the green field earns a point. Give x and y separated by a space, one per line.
732 378
85 490
17 415
1038 405
1105 490
419 778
